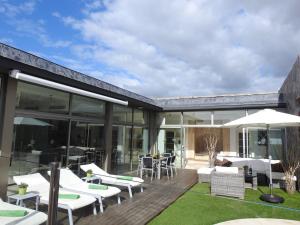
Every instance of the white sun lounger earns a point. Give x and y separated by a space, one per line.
36 182
33 217
72 182
107 178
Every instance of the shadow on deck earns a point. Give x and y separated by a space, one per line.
157 196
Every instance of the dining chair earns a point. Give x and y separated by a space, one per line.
147 165
166 165
172 164
166 154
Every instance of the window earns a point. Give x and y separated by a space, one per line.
36 98
89 107
122 114
140 117
169 118
222 117
197 118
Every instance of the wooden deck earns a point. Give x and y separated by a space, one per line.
157 196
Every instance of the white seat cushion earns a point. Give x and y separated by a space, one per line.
230 170
205 170
33 218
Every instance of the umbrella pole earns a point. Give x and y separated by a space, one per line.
270 159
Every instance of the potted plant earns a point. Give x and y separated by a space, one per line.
89 173
22 189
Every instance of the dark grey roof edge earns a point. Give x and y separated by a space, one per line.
215 96
228 101
224 107
29 59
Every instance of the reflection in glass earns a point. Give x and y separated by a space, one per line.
258 142
222 117
121 147
140 117
36 143
122 114
37 98
169 118
197 118
139 143
86 144
84 106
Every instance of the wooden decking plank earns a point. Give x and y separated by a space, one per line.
157 196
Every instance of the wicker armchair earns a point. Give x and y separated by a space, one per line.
228 184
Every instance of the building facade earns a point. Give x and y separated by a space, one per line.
52 113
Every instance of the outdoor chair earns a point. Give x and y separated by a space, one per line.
36 182
173 166
70 181
148 165
166 165
139 164
121 181
32 217
228 181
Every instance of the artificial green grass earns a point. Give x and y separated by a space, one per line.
196 206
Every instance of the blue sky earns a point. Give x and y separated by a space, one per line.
162 48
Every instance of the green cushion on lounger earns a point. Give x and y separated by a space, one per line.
98 187
68 196
13 213
125 178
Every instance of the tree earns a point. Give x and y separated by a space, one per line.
211 140
291 160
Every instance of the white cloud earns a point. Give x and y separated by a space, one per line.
185 47
18 16
12 10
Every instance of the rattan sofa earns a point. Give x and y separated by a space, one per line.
228 184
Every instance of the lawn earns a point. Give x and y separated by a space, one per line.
196 206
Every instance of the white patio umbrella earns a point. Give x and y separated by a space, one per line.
266 118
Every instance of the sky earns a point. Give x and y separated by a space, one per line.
162 48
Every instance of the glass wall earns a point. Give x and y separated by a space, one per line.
258 142
196 123
44 122
130 137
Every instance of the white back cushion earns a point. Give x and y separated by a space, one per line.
96 170
67 177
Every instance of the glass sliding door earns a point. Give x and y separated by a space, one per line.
36 143
139 143
169 140
121 143
86 143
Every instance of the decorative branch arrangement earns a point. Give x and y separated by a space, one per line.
291 161
211 141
